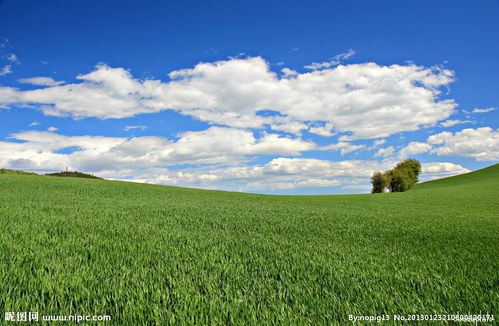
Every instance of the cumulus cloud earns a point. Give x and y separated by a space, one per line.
414 148
289 72
219 142
291 173
316 167
385 152
351 148
325 131
357 99
481 144
216 158
294 184
476 110
215 145
40 81
279 173
437 170
343 147
450 123
376 144
38 151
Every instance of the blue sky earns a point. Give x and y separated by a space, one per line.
287 97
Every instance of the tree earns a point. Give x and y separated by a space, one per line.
411 168
399 181
379 181
401 178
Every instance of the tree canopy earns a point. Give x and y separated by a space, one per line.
401 178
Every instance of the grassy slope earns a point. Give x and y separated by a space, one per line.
16 172
484 177
145 253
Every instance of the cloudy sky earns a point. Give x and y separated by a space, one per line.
284 97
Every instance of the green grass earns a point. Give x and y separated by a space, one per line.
157 255
17 172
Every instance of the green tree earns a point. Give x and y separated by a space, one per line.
399 181
401 178
411 168
379 181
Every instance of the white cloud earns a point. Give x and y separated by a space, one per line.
40 81
437 170
376 144
5 71
326 130
223 151
318 168
286 125
34 123
217 142
290 173
385 152
336 60
51 129
360 99
351 148
450 123
293 185
476 110
379 143
215 145
52 141
38 152
344 147
128 128
289 72
414 148
481 144
318 183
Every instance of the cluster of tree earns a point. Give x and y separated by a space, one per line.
401 178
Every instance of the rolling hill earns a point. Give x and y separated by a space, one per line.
483 178
149 254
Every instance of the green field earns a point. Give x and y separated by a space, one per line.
147 254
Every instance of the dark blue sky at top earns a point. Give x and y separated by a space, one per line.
154 37
63 39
